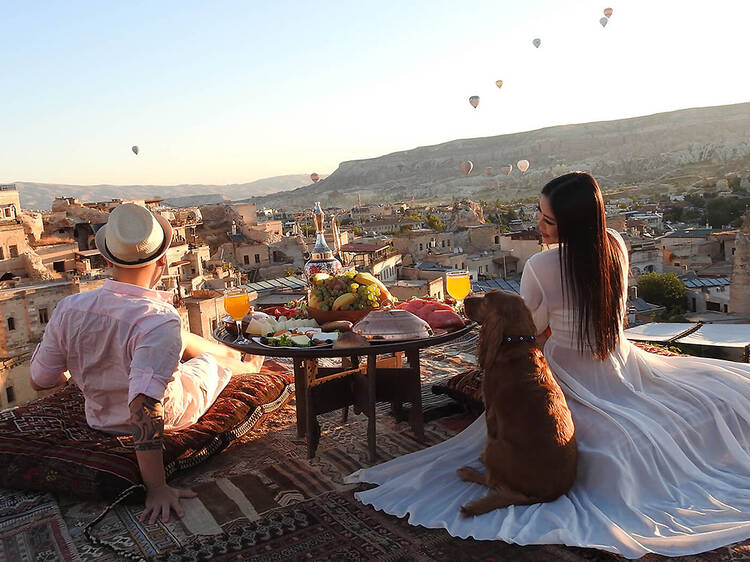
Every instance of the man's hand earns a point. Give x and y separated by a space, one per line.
147 425
162 499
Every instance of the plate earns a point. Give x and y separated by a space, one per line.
319 346
323 335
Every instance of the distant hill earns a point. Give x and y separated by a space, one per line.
41 195
674 148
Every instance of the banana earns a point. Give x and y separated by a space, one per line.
318 278
344 301
369 279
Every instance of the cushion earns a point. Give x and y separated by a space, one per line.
47 445
466 388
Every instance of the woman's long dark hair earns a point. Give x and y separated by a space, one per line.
590 261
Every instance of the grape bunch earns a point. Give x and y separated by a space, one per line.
368 296
325 290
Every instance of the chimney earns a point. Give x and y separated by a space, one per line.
632 292
234 228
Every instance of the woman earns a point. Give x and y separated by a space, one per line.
664 442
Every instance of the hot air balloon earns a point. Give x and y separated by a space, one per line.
315 176
507 169
522 165
467 166
499 83
488 171
604 22
135 150
474 101
537 42
608 12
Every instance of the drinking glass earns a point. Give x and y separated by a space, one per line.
458 285
237 304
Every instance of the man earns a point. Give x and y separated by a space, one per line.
122 345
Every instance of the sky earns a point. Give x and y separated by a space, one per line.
233 91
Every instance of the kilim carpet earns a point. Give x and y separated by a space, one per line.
262 499
32 528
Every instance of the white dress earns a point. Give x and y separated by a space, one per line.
664 451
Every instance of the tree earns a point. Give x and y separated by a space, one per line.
663 289
403 229
695 200
435 223
673 214
725 210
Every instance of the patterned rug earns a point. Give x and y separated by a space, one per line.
262 499
32 528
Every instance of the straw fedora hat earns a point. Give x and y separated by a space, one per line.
133 236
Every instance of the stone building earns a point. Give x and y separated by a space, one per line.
24 313
59 258
9 197
420 288
690 249
12 247
204 310
739 301
419 243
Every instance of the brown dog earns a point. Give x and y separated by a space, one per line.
531 451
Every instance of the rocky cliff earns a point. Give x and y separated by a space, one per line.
642 150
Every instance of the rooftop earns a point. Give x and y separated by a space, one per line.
356 247
701 282
690 233
290 282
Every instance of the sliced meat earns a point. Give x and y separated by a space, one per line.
443 319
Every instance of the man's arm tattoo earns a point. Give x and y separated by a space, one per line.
147 423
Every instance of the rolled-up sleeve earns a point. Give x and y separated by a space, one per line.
49 360
155 359
533 296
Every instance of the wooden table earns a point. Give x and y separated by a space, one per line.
320 390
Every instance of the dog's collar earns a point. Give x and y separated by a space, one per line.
518 339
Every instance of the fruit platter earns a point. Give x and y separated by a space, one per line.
349 296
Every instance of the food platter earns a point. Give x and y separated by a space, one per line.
259 341
323 339
223 336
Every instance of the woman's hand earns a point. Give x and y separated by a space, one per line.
542 338
162 499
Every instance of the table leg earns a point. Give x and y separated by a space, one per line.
300 390
312 428
372 368
348 363
416 417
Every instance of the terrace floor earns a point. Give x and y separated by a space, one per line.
262 499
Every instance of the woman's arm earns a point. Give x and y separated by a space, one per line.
533 296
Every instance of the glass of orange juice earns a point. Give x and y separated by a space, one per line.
237 304
458 285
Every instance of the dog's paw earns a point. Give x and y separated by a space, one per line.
468 474
463 472
467 511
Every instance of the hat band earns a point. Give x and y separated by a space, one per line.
140 261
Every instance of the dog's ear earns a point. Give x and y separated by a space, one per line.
491 334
